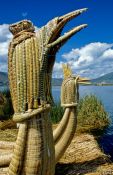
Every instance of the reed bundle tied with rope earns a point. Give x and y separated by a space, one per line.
34 140
30 64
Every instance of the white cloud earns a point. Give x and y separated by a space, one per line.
5 37
108 53
3 48
92 60
58 73
4 33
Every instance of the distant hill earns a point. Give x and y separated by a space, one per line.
107 78
3 78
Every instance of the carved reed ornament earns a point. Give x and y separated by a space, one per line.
31 59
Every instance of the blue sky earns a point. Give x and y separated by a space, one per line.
90 52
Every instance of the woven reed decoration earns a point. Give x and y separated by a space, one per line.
65 131
30 106
63 135
31 58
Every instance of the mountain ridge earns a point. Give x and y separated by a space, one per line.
3 78
105 79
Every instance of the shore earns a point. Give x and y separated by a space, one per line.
83 156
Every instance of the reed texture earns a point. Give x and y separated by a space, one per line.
32 152
31 59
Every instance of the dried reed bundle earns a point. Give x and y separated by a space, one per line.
6 145
5 159
30 64
32 145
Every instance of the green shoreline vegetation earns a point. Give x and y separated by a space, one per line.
91 113
84 154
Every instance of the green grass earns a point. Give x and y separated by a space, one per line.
6 110
91 114
56 113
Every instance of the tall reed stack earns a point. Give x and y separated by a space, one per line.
30 63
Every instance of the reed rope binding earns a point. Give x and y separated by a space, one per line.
24 78
31 59
30 114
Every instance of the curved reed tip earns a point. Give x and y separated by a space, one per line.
24 25
83 10
73 14
84 80
83 25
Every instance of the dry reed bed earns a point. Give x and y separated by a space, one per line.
7 124
83 157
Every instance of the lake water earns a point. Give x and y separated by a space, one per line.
105 94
